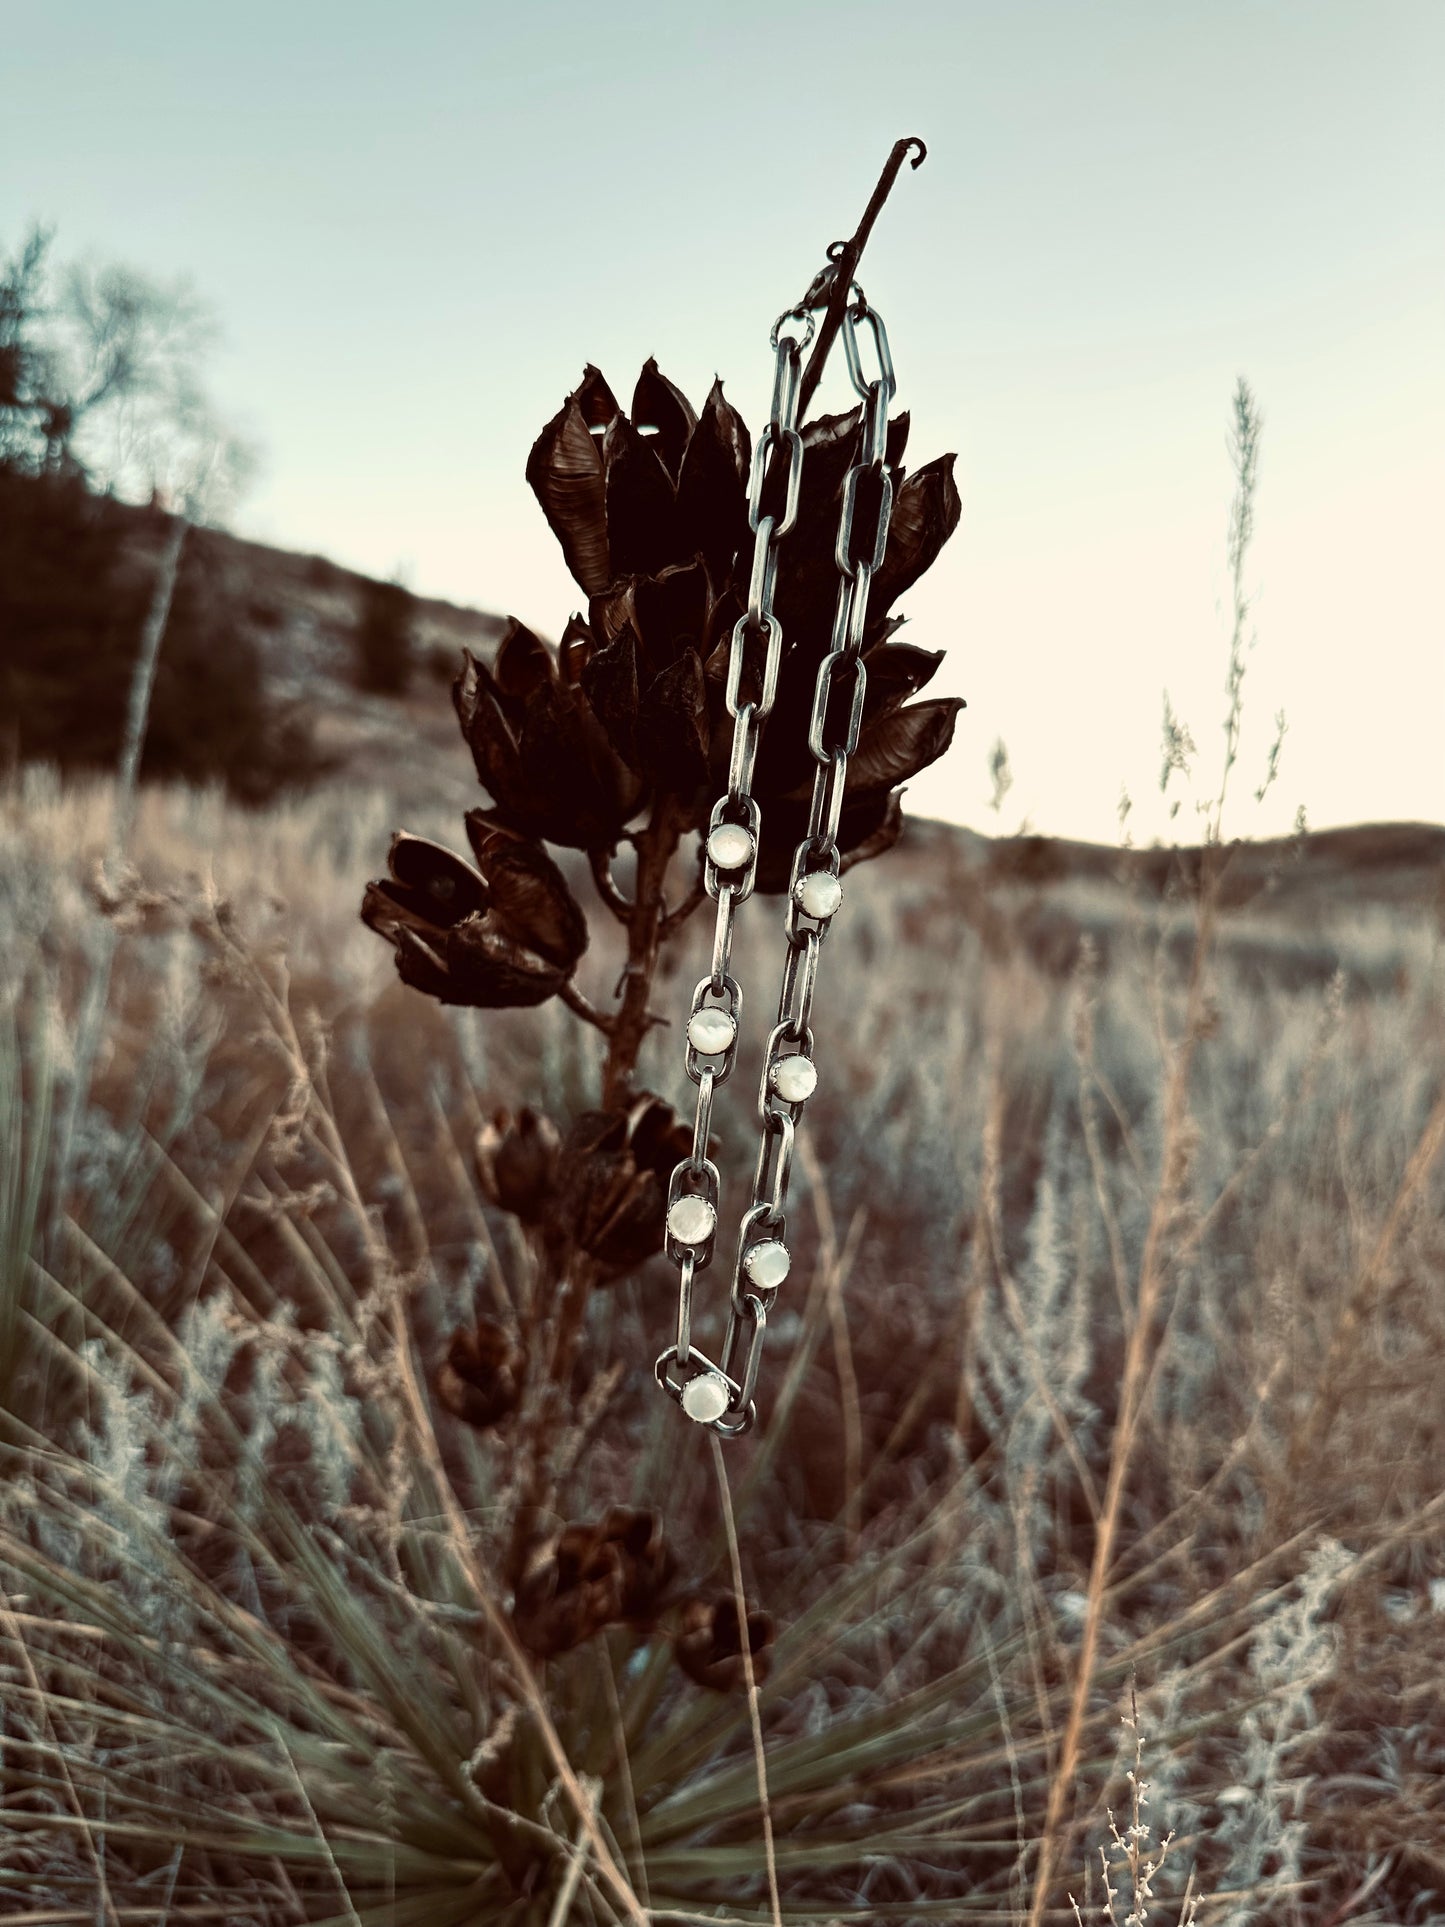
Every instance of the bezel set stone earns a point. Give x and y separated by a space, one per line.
768 1264
706 1397
730 846
711 1031
818 894
691 1221
793 1078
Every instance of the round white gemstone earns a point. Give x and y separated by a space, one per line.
691 1221
730 846
794 1078
705 1398
767 1263
711 1032
819 893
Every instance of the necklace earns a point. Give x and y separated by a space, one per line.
721 1395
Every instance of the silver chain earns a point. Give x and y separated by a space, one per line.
721 1395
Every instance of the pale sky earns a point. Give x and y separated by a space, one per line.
416 223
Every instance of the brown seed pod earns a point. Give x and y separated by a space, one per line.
647 1561
573 1585
517 1162
709 1643
506 931
612 1181
571 743
480 1379
590 1575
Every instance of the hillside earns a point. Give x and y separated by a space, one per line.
304 610
256 682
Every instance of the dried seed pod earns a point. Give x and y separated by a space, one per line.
540 751
517 1162
572 1586
480 1379
612 1181
508 932
709 1643
647 1560
528 893
652 518
571 744
591 1575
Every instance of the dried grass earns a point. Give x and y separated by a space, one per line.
1114 1244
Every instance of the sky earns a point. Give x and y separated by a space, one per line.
416 224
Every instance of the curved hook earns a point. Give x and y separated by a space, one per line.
834 284
900 153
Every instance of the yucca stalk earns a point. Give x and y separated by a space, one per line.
620 737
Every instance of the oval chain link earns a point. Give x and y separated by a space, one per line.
814 893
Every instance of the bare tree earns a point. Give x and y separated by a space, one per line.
148 428
34 422
134 350
101 372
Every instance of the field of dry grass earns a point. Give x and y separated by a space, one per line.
1111 1356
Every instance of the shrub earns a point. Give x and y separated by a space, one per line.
385 645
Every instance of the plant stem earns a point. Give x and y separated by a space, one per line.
612 897
92 1013
845 262
632 1018
1244 454
580 1007
571 1289
1143 1338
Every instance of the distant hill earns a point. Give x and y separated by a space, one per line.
306 611
309 606
1297 908
1384 863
